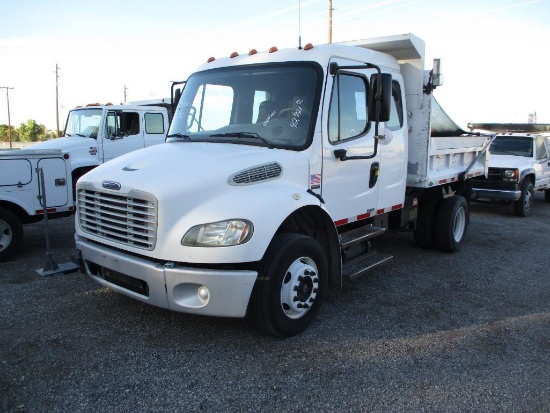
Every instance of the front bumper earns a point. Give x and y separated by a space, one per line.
495 194
171 286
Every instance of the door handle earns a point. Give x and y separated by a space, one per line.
374 172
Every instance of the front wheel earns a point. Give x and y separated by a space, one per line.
522 207
11 234
291 285
451 223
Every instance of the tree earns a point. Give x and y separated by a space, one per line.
5 137
27 132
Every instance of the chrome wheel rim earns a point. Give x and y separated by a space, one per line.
299 287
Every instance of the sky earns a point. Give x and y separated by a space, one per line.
494 53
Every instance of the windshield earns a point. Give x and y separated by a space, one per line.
83 123
271 105
512 145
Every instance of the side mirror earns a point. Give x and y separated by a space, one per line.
177 96
437 77
383 101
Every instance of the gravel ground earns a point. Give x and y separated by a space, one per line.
429 331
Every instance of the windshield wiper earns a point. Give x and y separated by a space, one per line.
242 135
179 135
81 135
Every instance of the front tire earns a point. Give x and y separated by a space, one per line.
451 223
11 234
291 285
522 207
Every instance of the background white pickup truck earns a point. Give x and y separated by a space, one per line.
519 165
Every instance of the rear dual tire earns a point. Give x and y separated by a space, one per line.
442 225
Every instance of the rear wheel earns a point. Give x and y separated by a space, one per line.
451 223
291 285
522 207
11 234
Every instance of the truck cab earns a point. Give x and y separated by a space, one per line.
97 133
519 165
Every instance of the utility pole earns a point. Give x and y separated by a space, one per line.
329 21
125 90
57 97
7 91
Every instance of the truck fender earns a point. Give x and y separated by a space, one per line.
18 205
267 206
526 172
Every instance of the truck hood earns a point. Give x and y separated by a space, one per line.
509 161
199 169
66 143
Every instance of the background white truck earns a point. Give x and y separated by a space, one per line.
519 165
93 135
97 133
280 168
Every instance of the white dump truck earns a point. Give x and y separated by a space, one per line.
280 169
28 180
93 134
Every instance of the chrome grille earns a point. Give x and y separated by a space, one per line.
259 173
494 174
128 219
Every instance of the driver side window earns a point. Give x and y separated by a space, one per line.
348 108
542 152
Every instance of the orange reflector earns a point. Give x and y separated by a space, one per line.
308 46
253 51
92 104
108 104
273 49
234 54
210 59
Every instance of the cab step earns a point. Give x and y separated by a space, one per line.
358 235
360 265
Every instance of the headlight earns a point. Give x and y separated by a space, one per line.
510 175
219 234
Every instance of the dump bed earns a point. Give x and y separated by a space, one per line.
445 153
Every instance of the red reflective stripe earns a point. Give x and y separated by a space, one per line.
379 211
398 206
41 211
341 222
442 181
363 216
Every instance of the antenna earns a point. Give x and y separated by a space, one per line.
299 25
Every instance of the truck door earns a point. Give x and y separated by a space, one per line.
542 146
56 182
123 133
349 187
155 125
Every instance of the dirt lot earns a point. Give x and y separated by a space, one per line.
430 331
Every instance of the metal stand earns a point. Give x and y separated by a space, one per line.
51 267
